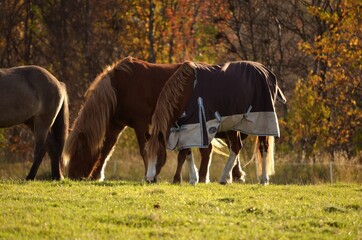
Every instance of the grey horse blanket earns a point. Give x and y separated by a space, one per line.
235 96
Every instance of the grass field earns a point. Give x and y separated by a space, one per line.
132 210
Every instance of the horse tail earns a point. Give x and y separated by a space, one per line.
270 170
61 123
220 147
280 96
270 156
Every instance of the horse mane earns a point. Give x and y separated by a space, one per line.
93 118
167 103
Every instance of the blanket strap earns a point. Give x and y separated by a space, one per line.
247 112
217 116
202 119
177 128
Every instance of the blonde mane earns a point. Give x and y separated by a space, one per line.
93 118
167 102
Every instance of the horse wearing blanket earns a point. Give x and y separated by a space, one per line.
201 100
123 95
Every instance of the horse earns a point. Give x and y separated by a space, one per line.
200 100
123 95
33 96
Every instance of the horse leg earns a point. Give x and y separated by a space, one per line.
263 148
141 139
206 154
108 147
181 157
55 154
193 174
227 169
39 151
237 172
234 147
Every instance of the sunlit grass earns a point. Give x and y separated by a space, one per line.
132 210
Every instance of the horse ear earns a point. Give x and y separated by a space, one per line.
147 136
162 142
160 137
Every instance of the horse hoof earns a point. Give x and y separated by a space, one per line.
150 180
223 183
176 181
241 180
91 178
193 182
30 178
57 178
264 183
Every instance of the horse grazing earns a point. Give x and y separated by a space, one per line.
193 107
33 96
124 94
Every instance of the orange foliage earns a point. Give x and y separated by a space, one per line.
337 81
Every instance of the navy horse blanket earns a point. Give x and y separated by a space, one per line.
235 96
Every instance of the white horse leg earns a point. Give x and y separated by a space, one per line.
227 169
193 173
104 166
151 171
207 179
264 175
241 179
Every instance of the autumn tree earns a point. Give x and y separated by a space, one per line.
76 40
12 17
261 31
327 105
174 31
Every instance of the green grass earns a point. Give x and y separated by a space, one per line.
132 210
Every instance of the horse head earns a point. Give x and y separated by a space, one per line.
155 155
78 157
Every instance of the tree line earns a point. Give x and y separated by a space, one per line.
313 46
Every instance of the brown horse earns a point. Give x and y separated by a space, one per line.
124 94
203 100
33 96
